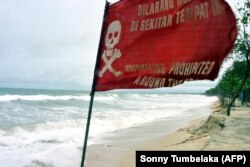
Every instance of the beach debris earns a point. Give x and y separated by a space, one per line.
214 123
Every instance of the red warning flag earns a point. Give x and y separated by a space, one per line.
162 43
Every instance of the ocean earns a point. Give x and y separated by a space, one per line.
45 128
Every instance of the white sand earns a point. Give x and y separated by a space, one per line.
119 148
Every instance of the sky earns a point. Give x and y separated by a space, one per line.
52 44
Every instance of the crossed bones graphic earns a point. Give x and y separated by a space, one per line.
108 63
111 53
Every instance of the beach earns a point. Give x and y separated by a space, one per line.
46 127
213 132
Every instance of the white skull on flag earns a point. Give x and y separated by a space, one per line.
111 53
113 34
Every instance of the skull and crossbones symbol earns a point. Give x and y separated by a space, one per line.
111 53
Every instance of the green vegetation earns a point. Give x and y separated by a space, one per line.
236 80
231 81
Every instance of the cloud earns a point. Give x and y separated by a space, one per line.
49 44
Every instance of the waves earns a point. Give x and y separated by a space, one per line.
5 98
47 143
57 132
42 128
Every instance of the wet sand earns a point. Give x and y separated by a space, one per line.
217 132
118 149
209 132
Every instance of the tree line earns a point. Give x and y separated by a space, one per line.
235 82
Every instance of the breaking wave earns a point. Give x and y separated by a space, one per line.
5 98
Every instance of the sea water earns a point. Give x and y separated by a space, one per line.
46 127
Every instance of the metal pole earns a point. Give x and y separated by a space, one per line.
92 93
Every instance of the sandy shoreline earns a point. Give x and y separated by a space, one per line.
166 134
217 132
193 137
212 132
236 133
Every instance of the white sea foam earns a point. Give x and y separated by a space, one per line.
4 98
47 143
57 143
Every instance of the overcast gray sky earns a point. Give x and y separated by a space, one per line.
51 43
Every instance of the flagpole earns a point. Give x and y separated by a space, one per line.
92 93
